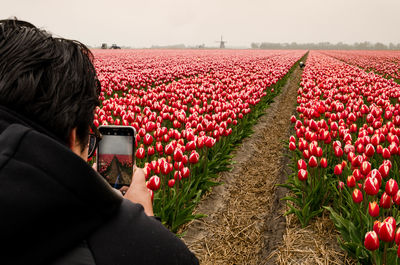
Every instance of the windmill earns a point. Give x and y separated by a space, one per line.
221 43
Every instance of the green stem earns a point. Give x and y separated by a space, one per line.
373 258
304 193
385 253
205 160
361 222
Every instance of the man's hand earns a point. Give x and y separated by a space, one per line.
138 192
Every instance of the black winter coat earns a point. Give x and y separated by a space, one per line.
53 204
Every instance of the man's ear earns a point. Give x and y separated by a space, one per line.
72 139
75 145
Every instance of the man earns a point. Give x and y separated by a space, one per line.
55 209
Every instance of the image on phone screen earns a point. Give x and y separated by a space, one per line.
115 159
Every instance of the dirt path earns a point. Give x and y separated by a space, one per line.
245 223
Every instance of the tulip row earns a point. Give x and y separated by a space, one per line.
386 63
186 126
346 155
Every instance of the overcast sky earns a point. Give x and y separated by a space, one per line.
192 22
121 145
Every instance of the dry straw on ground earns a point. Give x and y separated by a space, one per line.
315 244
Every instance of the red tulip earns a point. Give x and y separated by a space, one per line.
312 148
340 185
140 153
150 151
391 187
369 150
360 148
371 241
312 162
302 174
373 209
200 142
194 157
178 155
169 149
375 140
357 174
292 146
185 159
386 232
397 237
385 201
357 161
178 165
396 198
185 172
142 132
165 138
171 183
390 220
319 152
387 163
159 147
148 139
306 154
384 170
177 176
351 181
191 145
377 226
365 168
210 142
301 164
371 186
153 164
393 149
375 174
338 170
165 168
385 153
357 196
324 162
154 183
338 151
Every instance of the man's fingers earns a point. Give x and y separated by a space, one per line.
138 192
94 166
138 176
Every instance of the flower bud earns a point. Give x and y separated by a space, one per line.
371 241
386 232
373 209
357 196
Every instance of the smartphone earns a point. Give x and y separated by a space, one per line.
116 154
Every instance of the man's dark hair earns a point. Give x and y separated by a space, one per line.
49 80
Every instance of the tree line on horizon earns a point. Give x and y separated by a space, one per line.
287 46
366 45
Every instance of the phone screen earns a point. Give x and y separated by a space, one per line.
116 158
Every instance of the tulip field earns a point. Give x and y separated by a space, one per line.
190 110
346 150
384 62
